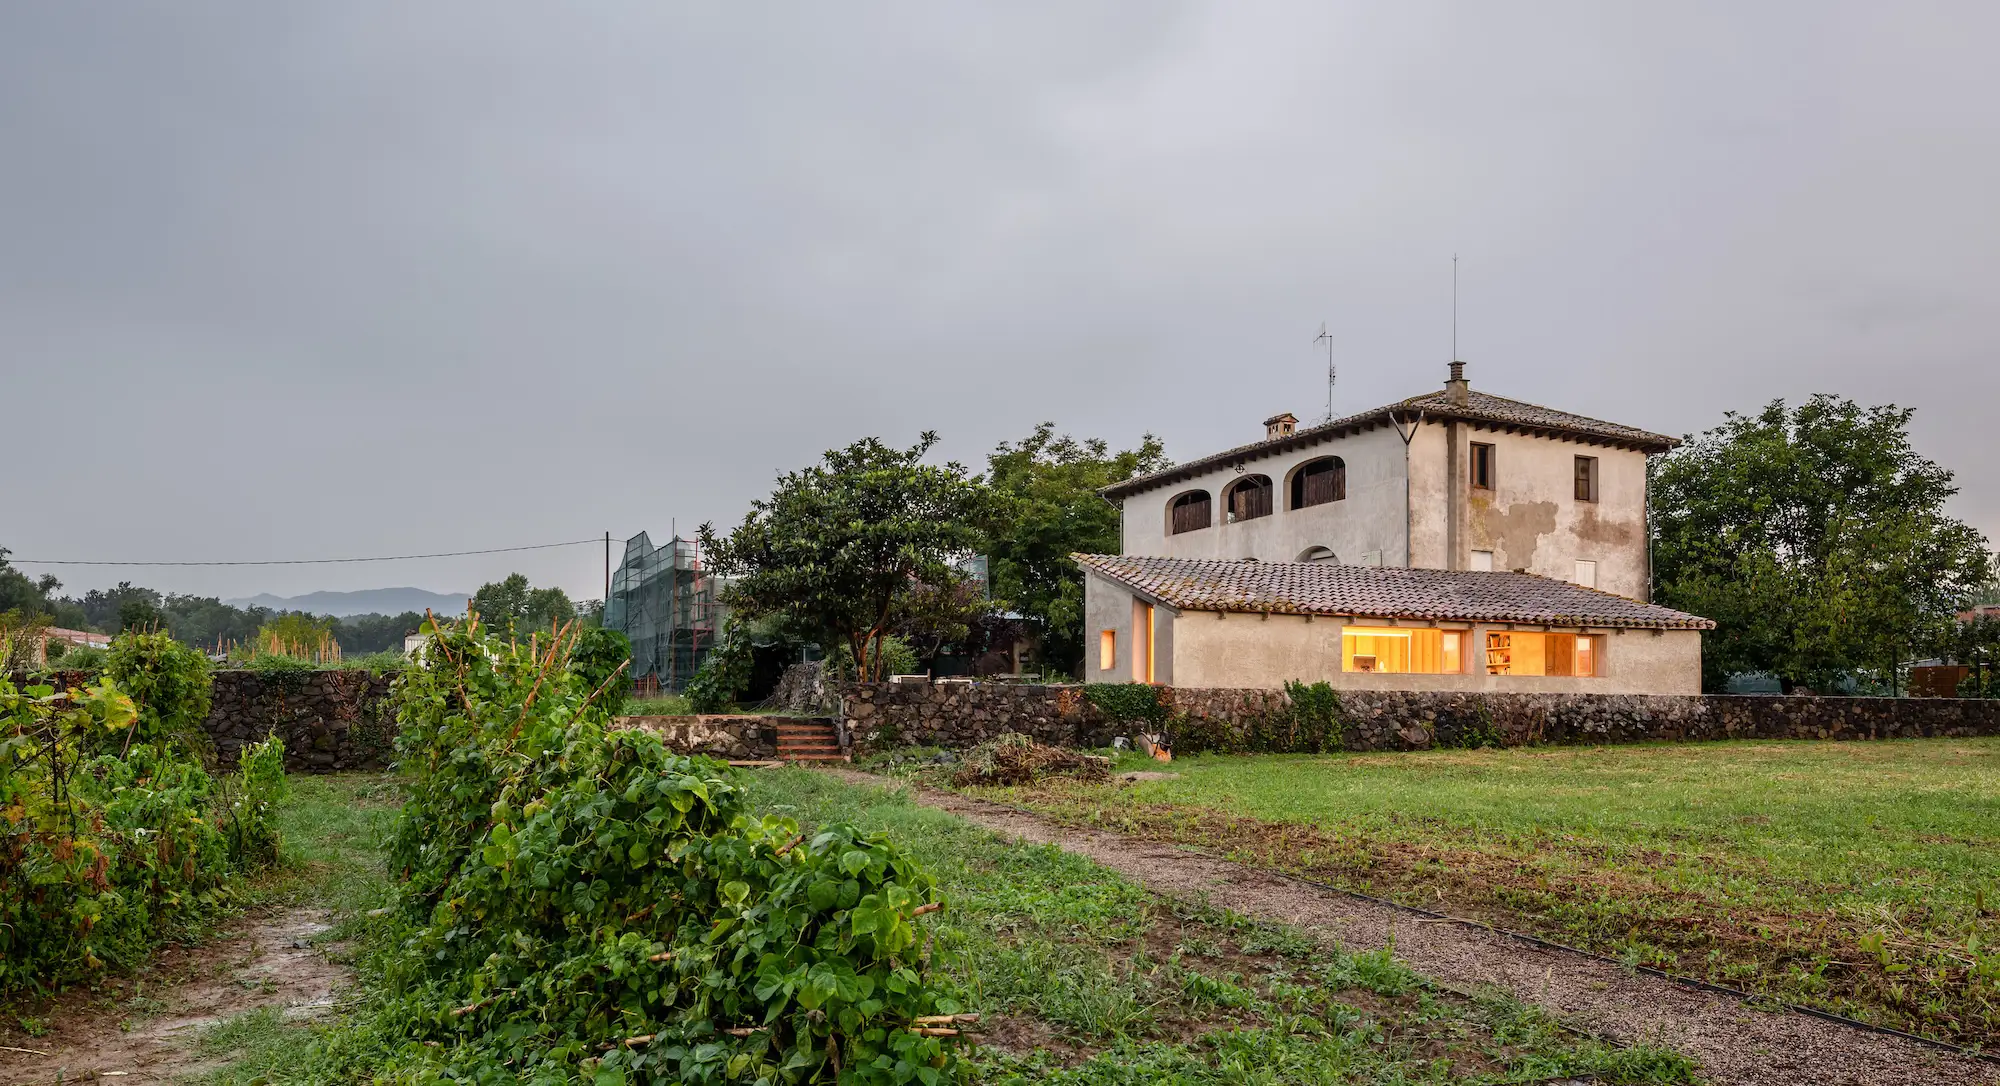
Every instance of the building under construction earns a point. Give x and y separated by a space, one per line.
664 601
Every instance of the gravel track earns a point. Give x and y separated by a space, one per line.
1737 1045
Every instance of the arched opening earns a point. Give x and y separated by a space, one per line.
1317 482
1249 498
1318 554
1189 512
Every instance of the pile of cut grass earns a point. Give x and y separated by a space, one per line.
1854 877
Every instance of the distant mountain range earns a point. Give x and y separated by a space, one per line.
368 601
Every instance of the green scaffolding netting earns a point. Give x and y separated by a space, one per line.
664 601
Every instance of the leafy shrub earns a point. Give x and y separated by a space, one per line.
600 655
102 855
1132 703
723 674
246 807
578 898
387 662
169 682
85 658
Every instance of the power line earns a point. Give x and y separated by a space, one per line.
303 561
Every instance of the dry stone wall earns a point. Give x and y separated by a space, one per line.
881 715
330 720
729 737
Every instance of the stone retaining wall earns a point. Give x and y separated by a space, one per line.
881 715
330 720
730 737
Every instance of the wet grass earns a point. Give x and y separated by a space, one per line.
1859 877
1087 978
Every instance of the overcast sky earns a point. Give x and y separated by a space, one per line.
326 279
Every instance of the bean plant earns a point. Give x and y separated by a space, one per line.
579 904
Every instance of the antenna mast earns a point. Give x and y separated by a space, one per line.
1328 337
1454 307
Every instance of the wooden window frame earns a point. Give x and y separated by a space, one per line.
1308 492
1254 508
1586 478
1479 465
1185 500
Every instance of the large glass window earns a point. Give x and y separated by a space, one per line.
1516 652
1394 651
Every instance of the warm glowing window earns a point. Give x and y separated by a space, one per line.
1564 655
1107 650
1394 651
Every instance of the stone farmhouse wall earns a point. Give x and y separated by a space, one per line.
880 715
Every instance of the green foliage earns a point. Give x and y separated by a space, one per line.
246 807
381 663
21 637
897 658
512 604
603 659
1476 729
1307 721
1132 703
724 672
1048 509
103 855
170 683
568 889
840 545
85 658
1817 539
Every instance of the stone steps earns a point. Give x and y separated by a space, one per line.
809 741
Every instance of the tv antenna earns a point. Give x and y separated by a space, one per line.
1454 307
1328 337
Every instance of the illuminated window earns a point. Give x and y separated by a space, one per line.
1558 654
1394 651
1107 650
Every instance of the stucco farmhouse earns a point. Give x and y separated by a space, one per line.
1454 541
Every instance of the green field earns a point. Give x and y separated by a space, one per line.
1858 877
1084 979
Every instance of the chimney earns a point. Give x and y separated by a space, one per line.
1278 426
1458 390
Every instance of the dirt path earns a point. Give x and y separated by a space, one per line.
121 1033
1736 1045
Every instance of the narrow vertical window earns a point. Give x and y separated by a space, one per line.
1482 466
1453 662
1107 650
1586 573
1587 657
1586 478
1146 633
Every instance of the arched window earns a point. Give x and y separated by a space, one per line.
1250 498
1318 554
1188 512
1317 482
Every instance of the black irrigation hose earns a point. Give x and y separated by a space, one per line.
1686 982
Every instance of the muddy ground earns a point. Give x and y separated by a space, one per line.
142 1028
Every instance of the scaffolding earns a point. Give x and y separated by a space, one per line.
664 602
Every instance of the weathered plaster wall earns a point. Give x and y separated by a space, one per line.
1253 651
964 714
1531 519
1367 521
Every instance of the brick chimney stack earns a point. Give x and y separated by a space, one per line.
1458 390
1278 426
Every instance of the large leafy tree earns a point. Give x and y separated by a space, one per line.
513 601
839 547
1816 537
1046 489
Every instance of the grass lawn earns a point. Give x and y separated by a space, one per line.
1858 877
1086 978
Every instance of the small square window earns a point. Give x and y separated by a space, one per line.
1482 466
1586 478
1482 561
1586 573
1107 650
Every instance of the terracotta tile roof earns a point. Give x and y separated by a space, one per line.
1479 407
1329 588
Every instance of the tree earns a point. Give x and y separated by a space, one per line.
1815 537
512 602
1046 489
934 616
839 545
